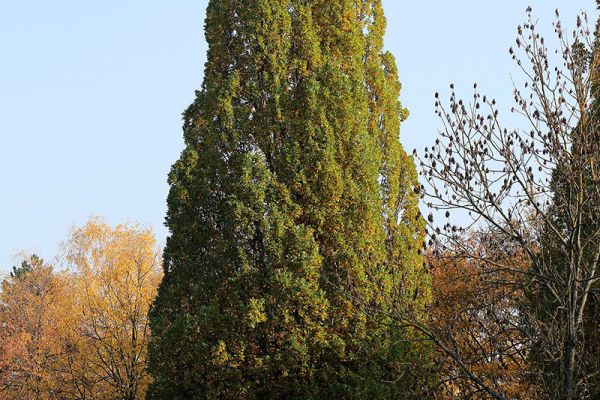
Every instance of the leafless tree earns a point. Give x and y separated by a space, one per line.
531 197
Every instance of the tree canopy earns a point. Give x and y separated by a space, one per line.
292 211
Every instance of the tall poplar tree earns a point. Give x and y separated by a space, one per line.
293 217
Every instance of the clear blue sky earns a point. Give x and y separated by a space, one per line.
91 94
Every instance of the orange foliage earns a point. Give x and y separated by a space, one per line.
81 333
476 316
33 318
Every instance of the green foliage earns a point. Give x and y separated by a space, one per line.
568 183
26 267
293 217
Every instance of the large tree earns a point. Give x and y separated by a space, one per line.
292 213
531 198
575 214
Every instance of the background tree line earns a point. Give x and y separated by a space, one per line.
80 331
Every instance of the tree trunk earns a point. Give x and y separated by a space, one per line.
568 369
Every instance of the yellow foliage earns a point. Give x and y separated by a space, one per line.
81 333
33 316
116 272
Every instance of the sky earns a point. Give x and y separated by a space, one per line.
91 95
